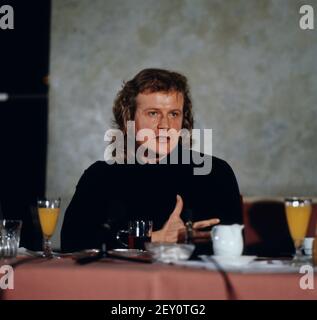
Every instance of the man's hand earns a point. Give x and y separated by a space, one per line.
174 225
174 229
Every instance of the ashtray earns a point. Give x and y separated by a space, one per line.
169 252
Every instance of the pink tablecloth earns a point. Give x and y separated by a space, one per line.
64 279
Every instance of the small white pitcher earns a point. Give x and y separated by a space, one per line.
227 240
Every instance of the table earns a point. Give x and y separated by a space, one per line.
113 279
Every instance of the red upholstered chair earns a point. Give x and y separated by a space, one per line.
266 231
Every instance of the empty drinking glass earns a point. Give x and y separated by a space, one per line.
10 231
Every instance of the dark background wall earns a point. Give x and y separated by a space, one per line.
24 58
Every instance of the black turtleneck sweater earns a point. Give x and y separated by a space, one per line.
117 193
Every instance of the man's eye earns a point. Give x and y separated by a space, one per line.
152 113
174 114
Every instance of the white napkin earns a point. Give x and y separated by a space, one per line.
265 266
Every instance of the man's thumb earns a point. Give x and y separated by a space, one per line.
178 207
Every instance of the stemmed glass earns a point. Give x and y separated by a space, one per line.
298 212
48 210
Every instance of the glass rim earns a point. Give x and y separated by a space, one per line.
300 200
6 222
49 202
141 220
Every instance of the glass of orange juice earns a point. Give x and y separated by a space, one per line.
48 210
298 213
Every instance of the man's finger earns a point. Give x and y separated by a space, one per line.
178 207
205 223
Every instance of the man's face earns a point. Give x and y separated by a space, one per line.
160 112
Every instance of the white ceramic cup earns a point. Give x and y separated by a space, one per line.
308 246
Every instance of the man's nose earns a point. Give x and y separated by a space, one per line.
163 123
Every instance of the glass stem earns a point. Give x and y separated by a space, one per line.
47 247
297 252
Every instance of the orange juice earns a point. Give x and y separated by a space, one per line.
298 219
48 220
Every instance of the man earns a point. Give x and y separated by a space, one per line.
158 102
